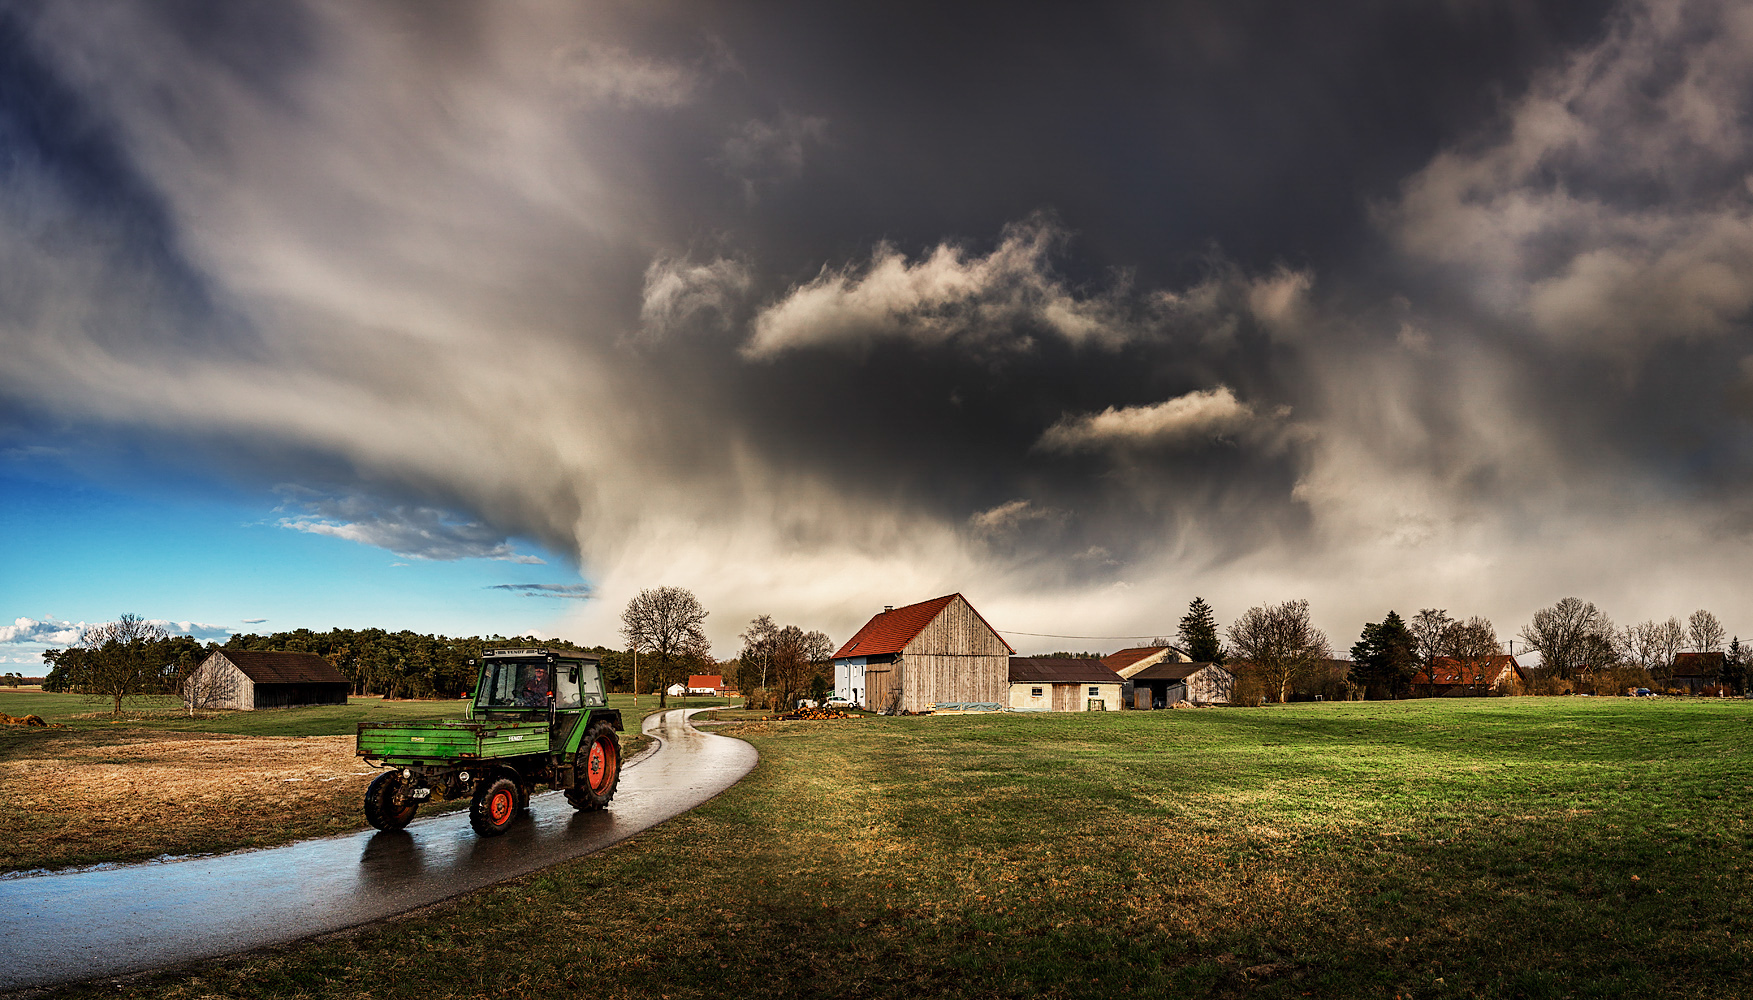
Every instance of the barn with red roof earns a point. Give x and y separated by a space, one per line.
911 658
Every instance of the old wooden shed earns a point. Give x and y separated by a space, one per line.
911 658
1062 684
248 679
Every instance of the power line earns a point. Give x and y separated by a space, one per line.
1050 635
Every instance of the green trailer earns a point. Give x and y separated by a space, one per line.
539 716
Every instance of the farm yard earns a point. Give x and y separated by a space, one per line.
1525 847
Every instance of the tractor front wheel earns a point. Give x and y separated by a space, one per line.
597 767
494 806
381 809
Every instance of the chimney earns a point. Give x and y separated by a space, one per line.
888 608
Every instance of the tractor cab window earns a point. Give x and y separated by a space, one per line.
587 684
515 684
566 685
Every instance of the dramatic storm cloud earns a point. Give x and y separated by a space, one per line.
1078 313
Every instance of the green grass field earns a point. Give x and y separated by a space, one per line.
1493 848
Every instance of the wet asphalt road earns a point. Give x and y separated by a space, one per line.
91 924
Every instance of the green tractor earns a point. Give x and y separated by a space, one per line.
538 717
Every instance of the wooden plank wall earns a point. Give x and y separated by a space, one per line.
1210 686
955 658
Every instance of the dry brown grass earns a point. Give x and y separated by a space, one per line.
127 795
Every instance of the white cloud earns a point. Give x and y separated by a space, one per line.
610 73
1200 416
43 632
1011 517
679 291
996 301
1611 210
410 531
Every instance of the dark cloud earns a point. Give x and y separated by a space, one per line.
1079 312
561 591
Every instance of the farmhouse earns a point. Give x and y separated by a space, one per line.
910 658
1451 678
247 680
1127 662
1062 684
712 684
1693 672
1166 682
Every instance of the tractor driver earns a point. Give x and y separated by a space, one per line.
535 688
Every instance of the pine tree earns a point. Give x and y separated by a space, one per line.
1735 666
1384 657
1199 633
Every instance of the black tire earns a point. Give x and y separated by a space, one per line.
596 767
494 806
381 810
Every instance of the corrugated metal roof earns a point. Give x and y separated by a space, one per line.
891 631
1059 670
284 668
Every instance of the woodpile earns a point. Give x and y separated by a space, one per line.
812 715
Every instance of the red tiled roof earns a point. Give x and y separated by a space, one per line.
1060 670
714 681
1127 657
1698 664
284 668
891 631
1448 670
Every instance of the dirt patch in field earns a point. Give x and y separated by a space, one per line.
124 796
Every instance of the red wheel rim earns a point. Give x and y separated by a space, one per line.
500 806
601 766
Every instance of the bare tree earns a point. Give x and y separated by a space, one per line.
1706 632
798 656
667 623
756 658
202 687
1280 643
1430 633
1473 643
1641 644
1670 641
1568 636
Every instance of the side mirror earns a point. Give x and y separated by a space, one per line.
572 675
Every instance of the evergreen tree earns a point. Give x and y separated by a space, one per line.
1199 633
1735 666
1384 658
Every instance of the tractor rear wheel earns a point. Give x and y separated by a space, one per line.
381 809
597 766
494 806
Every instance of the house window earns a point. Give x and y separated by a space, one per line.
1094 690
1034 692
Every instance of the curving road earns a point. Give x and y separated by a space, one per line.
90 924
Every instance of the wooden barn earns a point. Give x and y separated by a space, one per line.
1062 684
912 658
247 680
1127 662
1166 682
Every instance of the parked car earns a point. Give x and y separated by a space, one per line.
806 703
839 702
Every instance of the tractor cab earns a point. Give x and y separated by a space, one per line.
516 683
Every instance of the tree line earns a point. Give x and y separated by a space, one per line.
1277 654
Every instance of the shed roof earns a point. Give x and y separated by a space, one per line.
1060 670
706 680
1171 671
284 668
1124 658
1445 670
1699 664
891 631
